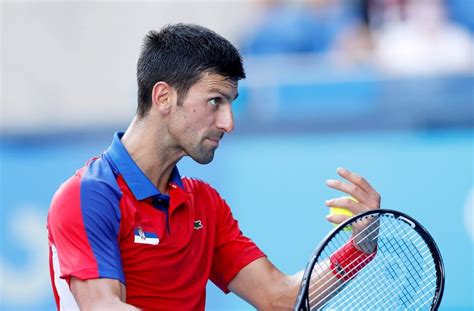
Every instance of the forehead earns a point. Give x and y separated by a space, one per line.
212 82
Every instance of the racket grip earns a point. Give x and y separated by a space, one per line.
347 261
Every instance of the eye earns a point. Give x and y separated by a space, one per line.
214 101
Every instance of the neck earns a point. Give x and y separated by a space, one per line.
155 157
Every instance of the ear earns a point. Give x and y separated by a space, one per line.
162 97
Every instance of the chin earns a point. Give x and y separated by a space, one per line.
203 158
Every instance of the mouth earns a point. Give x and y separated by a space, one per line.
214 141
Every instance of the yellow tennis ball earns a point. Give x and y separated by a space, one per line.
334 210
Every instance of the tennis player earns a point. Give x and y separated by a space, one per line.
127 232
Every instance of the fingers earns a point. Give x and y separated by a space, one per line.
358 187
337 218
353 190
344 202
358 180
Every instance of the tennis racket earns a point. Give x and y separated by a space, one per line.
389 262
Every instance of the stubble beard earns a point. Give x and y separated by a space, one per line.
202 154
204 160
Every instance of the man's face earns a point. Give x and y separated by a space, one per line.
203 117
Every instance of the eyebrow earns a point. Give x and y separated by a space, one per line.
226 96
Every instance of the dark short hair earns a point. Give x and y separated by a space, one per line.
178 55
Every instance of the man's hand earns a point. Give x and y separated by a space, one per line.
365 231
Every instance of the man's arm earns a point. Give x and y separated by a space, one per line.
266 288
100 294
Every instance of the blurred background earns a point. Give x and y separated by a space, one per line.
382 87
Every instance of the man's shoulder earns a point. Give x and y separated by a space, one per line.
94 180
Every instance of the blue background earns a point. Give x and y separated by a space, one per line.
275 185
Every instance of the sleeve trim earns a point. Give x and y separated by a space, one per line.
92 273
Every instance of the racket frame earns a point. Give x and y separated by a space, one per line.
302 301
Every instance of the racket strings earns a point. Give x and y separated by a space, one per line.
414 280
384 291
341 240
399 247
372 281
332 272
364 289
338 287
431 283
388 293
379 285
429 280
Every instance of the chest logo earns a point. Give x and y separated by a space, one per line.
197 225
143 237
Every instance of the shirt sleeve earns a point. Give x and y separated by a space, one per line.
83 225
233 251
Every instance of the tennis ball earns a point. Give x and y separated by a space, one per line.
334 210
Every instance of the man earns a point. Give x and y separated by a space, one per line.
126 231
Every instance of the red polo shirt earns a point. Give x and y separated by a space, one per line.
110 221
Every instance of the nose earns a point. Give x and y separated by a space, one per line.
225 118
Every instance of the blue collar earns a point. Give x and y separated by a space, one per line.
136 180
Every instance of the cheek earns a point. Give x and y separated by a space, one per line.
196 121
186 127
191 123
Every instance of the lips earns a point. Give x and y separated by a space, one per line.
214 140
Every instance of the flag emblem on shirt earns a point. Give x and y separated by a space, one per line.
197 225
143 237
